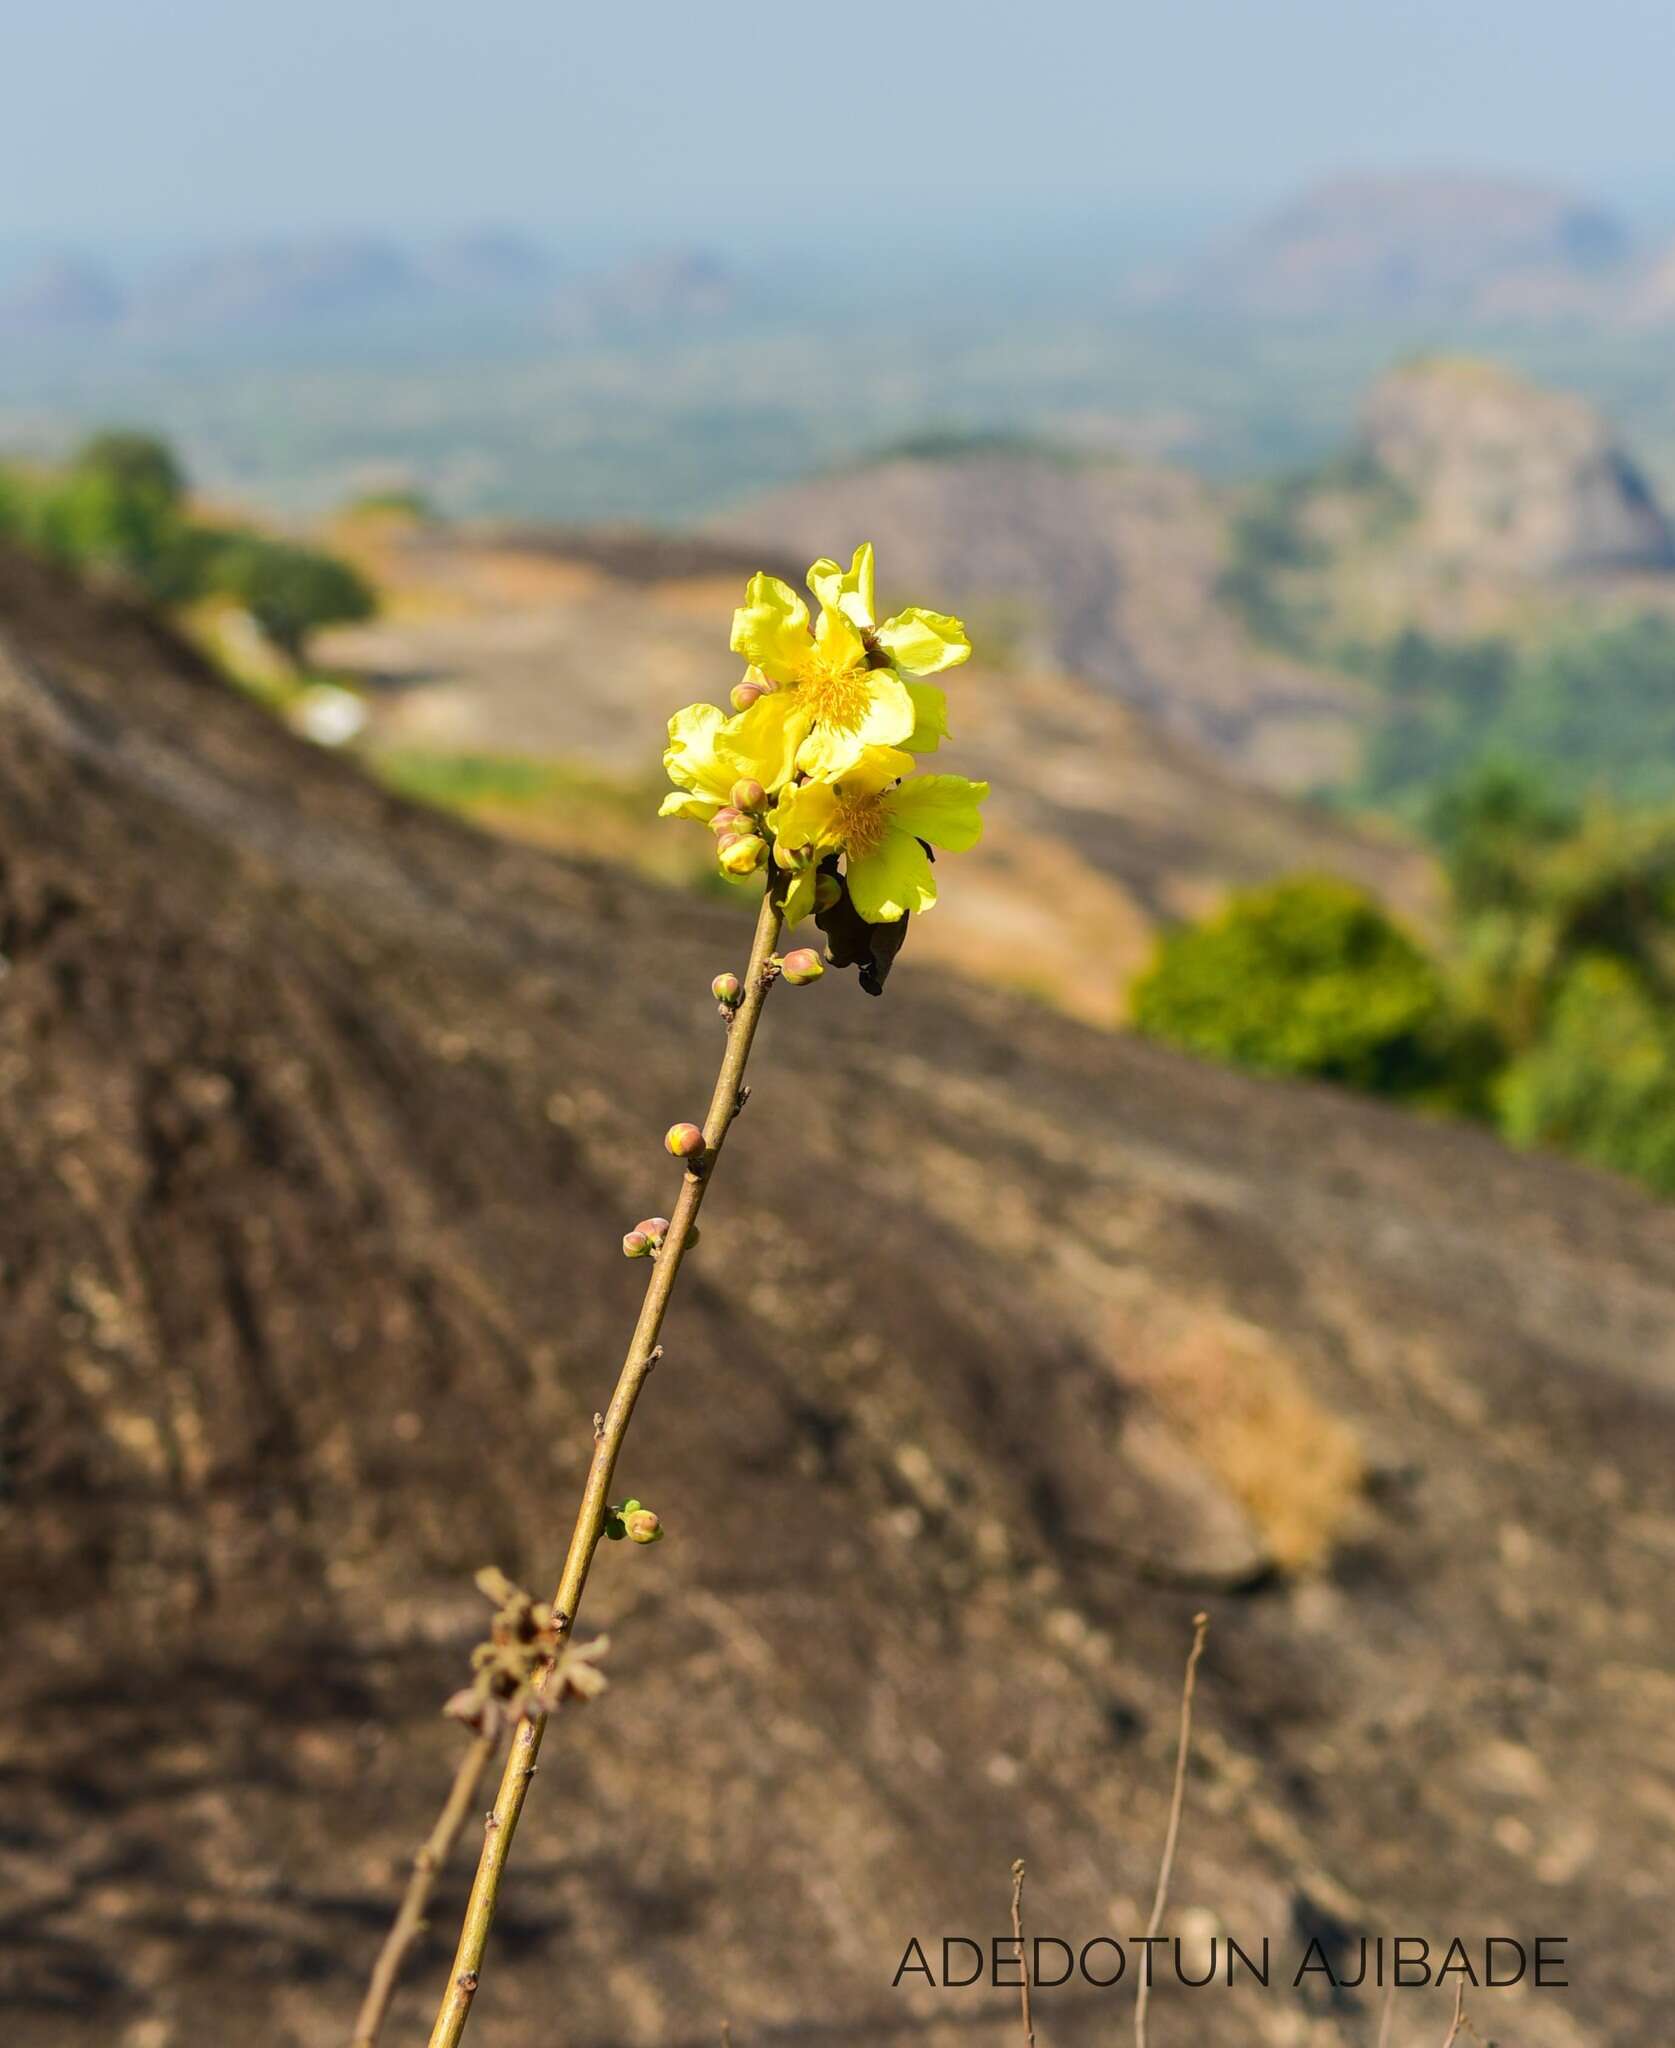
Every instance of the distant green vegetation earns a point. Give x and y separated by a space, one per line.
1306 977
1593 709
1549 1010
118 512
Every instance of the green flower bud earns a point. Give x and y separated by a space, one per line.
639 1524
745 694
804 965
685 1141
747 794
637 1244
828 892
742 856
728 990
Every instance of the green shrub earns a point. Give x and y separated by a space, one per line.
1306 977
1600 1083
290 591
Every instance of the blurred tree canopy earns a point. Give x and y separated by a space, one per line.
119 510
1305 977
1548 1010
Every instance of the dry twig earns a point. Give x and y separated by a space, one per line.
1200 1628
1018 1937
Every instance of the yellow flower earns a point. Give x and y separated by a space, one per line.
700 763
842 682
876 820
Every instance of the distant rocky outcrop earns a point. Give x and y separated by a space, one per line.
680 288
268 285
1507 476
1399 246
61 295
495 261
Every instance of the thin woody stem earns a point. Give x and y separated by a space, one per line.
409 1921
502 1822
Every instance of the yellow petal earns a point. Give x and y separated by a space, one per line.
770 629
930 727
683 803
692 758
940 808
799 897
873 770
850 590
924 643
763 741
807 815
837 644
885 885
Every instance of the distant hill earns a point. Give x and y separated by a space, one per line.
1404 246
656 295
60 296
262 286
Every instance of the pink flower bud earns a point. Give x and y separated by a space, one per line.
636 1245
803 965
747 794
655 1227
741 854
685 1141
746 694
728 819
727 989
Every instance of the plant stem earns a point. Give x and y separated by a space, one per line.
725 1104
1177 1800
409 1921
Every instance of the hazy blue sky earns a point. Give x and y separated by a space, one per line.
177 118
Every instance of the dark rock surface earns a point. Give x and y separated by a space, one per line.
319 1120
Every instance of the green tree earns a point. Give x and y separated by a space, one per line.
1308 976
291 591
1600 1081
118 508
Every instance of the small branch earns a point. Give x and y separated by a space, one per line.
609 1432
1459 2019
409 1921
1018 1937
1389 2015
1200 1628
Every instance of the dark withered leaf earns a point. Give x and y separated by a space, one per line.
852 942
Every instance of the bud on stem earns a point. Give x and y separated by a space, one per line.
685 1141
802 966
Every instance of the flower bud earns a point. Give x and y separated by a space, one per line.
803 965
742 855
637 1244
747 794
685 1141
642 1526
745 694
655 1227
728 990
828 892
728 819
